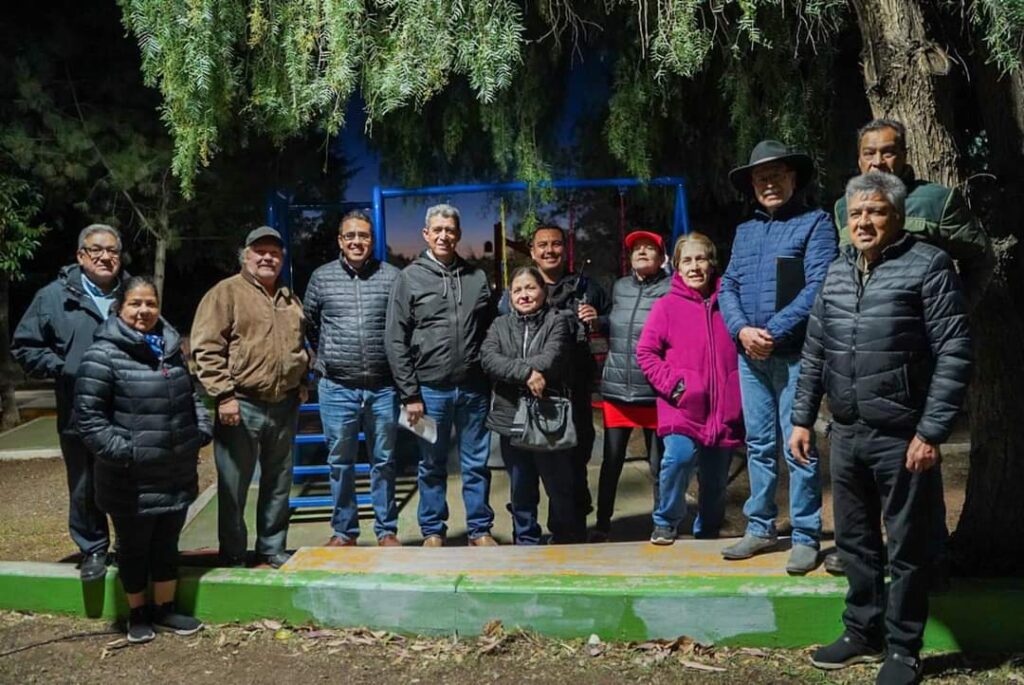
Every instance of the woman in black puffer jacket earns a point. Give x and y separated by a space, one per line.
526 352
136 410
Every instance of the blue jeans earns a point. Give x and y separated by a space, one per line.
465 407
767 387
342 411
681 455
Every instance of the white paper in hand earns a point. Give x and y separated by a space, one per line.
425 428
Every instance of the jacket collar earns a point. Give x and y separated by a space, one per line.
654 278
131 341
797 205
684 291
891 251
365 271
280 290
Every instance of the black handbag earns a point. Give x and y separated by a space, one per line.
543 424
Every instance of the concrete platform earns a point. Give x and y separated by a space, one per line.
33 439
619 591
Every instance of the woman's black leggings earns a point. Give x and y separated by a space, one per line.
616 440
147 549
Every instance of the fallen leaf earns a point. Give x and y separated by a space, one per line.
282 634
701 667
594 645
270 624
753 651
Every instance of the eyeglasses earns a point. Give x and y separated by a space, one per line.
353 237
95 251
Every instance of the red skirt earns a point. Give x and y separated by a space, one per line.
622 415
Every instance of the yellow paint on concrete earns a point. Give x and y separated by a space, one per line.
684 558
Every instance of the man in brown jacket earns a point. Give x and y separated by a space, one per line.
247 339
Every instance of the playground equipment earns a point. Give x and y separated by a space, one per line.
280 206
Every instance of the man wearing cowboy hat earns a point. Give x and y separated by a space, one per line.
779 260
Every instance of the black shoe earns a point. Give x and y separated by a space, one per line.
231 561
899 669
140 629
844 652
167 619
93 567
834 564
275 560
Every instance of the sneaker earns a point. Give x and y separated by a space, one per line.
338 541
802 560
899 669
140 629
433 541
93 567
388 540
834 564
663 535
484 540
748 546
275 561
846 651
167 620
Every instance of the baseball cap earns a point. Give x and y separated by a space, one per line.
261 233
637 235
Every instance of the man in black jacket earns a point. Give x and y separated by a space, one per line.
346 306
438 315
888 342
585 306
49 342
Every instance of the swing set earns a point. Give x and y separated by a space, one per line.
280 206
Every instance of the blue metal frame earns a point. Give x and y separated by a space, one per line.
279 204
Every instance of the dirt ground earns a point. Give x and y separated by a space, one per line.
47 649
34 507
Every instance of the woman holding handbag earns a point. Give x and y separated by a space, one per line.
689 358
525 353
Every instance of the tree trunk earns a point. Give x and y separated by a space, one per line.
987 540
160 263
8 369
903 74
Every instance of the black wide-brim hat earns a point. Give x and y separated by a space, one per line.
773 151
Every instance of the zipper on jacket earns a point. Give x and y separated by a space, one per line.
629 337
713 394
362 339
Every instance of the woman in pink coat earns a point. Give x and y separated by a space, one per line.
689 358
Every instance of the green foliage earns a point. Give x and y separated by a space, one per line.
1002 24
19 237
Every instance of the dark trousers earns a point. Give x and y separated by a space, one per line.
554 469
147 549
870 484
87 524
583 421
616 440
265 436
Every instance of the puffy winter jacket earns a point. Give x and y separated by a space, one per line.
748 285
894 353
685 341
139 415
346 312
632 299
516 345
54 333
437 318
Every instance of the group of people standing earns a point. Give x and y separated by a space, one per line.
700 359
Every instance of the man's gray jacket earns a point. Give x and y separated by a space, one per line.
893 353
437 319
346 312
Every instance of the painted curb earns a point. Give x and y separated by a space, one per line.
975 616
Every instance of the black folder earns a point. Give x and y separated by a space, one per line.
789 280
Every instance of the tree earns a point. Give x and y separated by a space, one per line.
19 238
767 64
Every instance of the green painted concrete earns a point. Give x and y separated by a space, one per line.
37 434
735 610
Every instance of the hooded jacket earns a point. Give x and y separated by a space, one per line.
893 353
632 299
748 294
517 345
346 312
139 415
437 318
55 332
686 341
